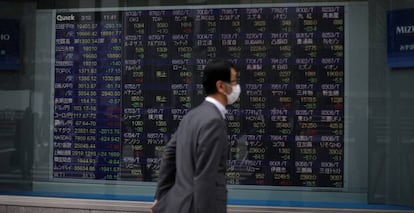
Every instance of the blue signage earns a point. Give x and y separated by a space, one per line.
9 45
401 38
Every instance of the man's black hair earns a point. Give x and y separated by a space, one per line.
217 70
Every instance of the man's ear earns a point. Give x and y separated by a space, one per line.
221 87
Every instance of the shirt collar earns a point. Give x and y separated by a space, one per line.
219 106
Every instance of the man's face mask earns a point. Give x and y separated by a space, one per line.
234 95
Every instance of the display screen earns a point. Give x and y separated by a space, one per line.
400 30
9 44
125 79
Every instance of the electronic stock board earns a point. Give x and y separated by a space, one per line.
124 79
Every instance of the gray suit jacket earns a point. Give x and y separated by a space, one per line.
192 174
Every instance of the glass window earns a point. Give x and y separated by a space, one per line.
92 90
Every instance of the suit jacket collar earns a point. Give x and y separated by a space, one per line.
218 105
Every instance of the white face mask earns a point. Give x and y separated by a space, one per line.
234 95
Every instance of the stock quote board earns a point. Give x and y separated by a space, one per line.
123 80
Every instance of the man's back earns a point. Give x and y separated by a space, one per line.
201 150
